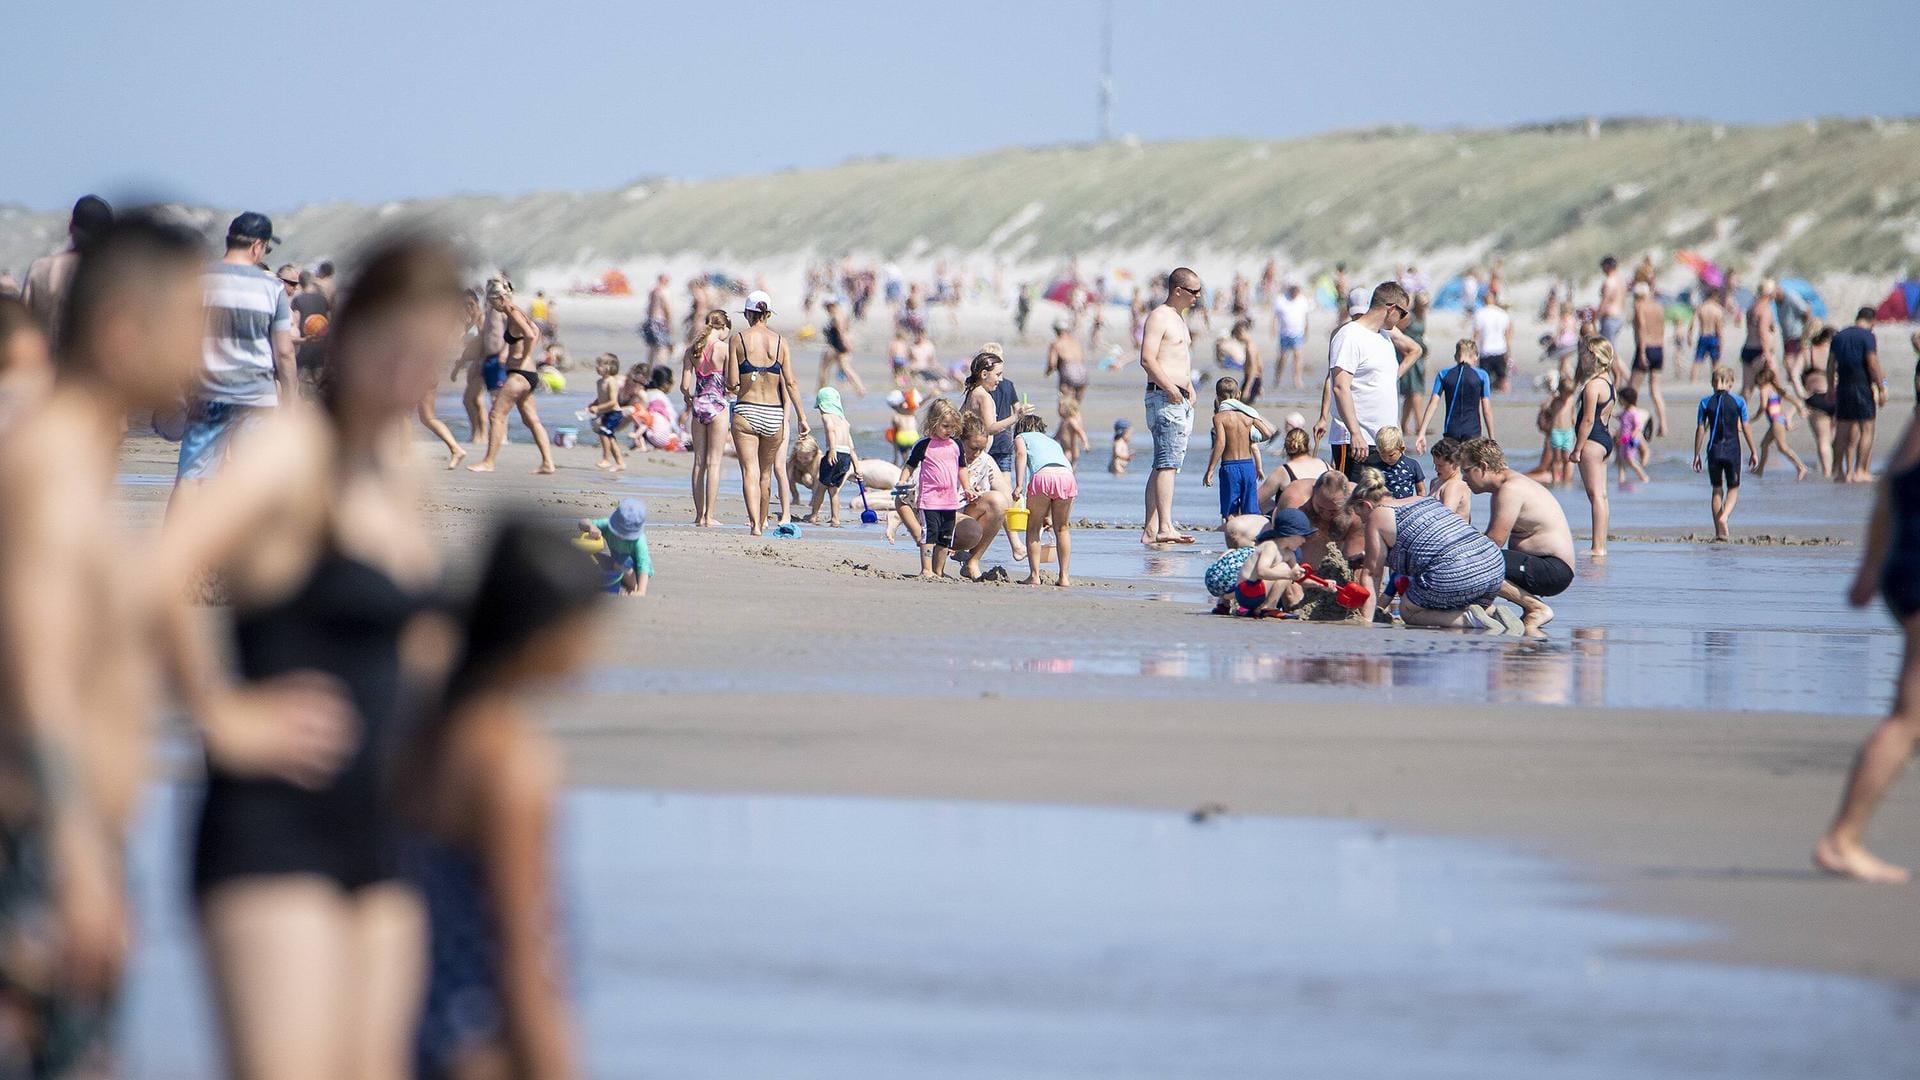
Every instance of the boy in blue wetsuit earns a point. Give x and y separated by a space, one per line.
1236 427
1721 427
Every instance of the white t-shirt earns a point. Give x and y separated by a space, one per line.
1375 366
1292 314
1490 330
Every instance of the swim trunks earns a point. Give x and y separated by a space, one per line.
1610 326
1655 359
1707 348
1541 575
1561 439
1171 422
1292 341
939 526
1239 488
493 372
656 333
1723 472
834 470
1495 366
1749 354
1224 573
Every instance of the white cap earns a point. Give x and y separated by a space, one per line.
758 301
1359 299
1641 288
1296 420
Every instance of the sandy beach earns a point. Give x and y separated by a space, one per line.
812 667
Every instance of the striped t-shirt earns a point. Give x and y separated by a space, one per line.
246 306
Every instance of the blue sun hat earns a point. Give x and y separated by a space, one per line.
786 530
628 519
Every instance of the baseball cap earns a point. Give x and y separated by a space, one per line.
628 519
758 301
1286 522
1359 299
91 214
252 225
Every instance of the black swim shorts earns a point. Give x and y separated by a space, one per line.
940 525
1723 472
1541 575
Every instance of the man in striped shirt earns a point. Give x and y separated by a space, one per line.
247 356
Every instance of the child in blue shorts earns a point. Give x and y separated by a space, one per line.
1236 428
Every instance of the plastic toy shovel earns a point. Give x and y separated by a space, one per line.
1352 596
868 515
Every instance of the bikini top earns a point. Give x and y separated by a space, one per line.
748 367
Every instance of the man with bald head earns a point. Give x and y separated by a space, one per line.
1166 352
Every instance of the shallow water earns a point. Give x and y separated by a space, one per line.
729 936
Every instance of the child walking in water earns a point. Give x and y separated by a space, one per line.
1050 487
1122 447
1628 443
606 412
1721 427
940 485
1236 427
1071 434
1781 411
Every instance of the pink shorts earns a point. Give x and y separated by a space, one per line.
1056 484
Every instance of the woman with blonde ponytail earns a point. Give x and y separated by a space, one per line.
1597 370
703 385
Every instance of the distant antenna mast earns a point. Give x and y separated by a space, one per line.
1106 72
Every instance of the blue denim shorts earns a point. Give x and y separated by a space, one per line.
211 427
1171 423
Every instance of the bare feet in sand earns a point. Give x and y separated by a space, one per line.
1165 538
1534 616
459 455
484 466
544 470
1856 862
1030 579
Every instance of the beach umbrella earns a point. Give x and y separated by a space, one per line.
1063 291
1452 295
1807 294
1710 273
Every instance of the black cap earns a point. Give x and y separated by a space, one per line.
252 226
90 215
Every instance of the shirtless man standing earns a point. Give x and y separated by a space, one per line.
84 614
658 329
1527 521
1066 360
1709 320
1166 353
1613 303
1758 348
48 275
1649 351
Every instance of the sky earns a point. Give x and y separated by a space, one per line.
272 105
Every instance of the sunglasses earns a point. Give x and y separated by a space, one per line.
1186 289
290 284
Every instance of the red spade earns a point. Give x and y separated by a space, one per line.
1352 596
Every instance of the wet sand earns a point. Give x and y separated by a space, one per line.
811 667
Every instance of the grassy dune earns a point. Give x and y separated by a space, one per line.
1833 197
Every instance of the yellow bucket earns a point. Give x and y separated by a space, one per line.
1017 518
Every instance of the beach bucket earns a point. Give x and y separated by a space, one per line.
566 438
1017 517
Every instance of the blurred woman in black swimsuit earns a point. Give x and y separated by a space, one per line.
1890 566
522 380
1596 439
314 946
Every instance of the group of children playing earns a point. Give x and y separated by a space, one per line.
640 401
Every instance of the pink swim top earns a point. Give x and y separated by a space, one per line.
705 365
940 476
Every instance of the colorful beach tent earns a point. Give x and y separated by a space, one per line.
1902 303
